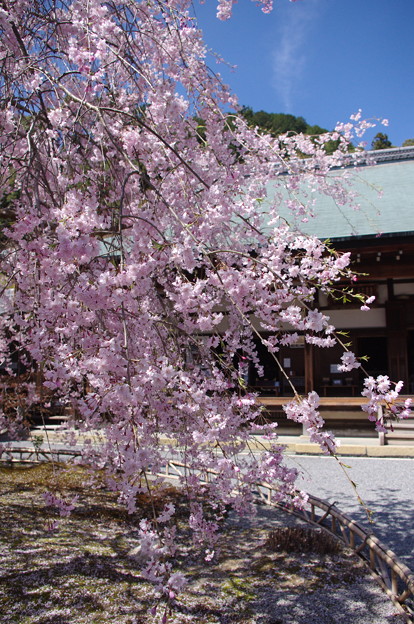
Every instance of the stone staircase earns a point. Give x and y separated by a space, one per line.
342 415
402 433
51 424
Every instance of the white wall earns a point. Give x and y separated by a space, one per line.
403 289
351 319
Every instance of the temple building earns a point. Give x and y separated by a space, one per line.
380 237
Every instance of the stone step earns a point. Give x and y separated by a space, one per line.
403 426
41 429
400 442
403 435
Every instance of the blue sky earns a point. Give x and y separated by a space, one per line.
321 59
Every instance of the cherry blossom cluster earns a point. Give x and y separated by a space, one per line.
384 403
305 411
145 257
348 362
63 506
225 7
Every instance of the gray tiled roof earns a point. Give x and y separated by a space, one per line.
392 212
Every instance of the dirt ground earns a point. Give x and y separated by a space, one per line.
269 568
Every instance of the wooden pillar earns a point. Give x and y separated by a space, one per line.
309 368
396 314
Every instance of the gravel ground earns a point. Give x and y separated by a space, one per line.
323 589
385 485
84 573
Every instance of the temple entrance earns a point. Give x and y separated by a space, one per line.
274 382
376 350
270 382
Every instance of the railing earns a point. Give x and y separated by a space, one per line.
395 578
34 455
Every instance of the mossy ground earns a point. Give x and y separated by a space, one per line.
82 572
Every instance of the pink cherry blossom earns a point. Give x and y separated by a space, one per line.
145 257
349 362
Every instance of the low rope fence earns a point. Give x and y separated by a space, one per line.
395 578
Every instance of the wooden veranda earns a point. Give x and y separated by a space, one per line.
344 416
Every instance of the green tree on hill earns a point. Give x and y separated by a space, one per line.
279 123
381 141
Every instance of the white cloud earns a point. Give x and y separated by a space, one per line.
290 55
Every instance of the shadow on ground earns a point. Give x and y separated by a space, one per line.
84 573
